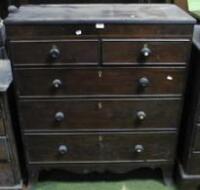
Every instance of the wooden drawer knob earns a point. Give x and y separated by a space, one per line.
146 52
141 115
57 83
62 149
59 116
54 53
144 82
139 148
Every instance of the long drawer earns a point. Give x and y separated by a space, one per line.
55 52
101 147
126 52
100 114
100 81
66 31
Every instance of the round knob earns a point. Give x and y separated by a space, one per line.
139 148
54 53
146 52
141 115
59 116
144 82
57 83
62 149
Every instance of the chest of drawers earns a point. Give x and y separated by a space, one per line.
99 87
10 177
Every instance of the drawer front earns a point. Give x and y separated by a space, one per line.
14 32
196 146
104 115
148 52
4 156
64 52
100 147
103 81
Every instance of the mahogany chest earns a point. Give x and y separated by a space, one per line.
99 87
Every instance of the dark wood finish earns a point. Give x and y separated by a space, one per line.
44 148
96 105
74 52
130 52
99 115
71 52
68 31
101 13
99 81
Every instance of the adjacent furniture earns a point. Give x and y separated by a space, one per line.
182 3
99 87
10 177
189 154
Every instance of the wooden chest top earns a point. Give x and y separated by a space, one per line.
110 13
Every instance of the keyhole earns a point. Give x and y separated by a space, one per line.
100 106
100 74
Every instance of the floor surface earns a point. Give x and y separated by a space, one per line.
116 185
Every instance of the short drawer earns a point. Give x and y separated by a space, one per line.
4 152
100 81
86 148
132 52
48 53
99 115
